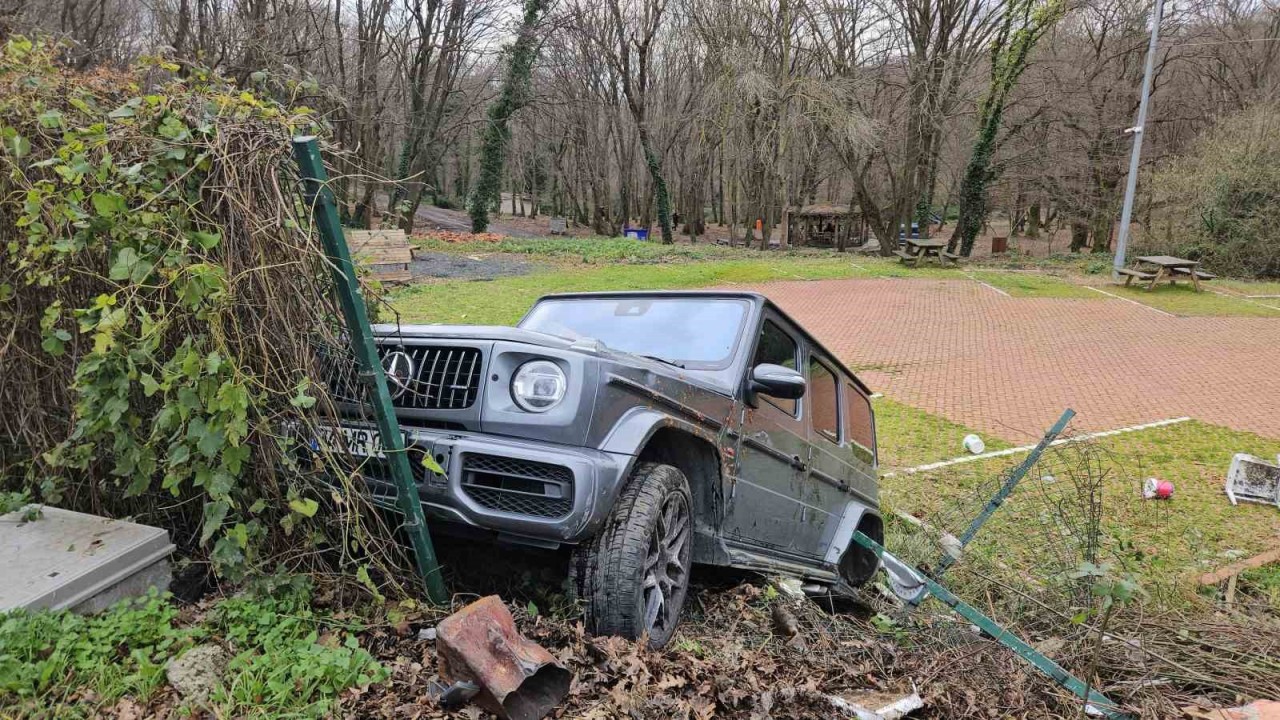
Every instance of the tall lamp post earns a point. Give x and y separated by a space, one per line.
1138 130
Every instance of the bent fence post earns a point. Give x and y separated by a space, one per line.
1096 702
319 199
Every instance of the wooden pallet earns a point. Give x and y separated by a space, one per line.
386 253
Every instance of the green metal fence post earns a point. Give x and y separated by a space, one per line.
1094 699
998 499
320 199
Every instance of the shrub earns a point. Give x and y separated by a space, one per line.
162 295
1221 203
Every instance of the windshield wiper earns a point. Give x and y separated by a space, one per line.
663 360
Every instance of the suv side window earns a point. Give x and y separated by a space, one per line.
778 348
858 425
824 409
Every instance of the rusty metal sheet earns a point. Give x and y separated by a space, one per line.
518 678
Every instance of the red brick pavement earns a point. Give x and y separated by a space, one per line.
1008 365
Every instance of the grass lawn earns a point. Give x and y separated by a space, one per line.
1251 288
1030 284
505 300
1182 299
1167 543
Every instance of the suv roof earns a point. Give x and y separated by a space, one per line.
754 297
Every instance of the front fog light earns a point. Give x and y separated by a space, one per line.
538 386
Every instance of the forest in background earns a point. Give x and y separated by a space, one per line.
747 106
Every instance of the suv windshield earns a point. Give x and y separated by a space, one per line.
696 333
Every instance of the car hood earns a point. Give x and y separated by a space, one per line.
471 332
586 346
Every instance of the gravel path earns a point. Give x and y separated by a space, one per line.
462 267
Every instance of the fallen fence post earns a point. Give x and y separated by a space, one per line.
908 578
1006 488
319 199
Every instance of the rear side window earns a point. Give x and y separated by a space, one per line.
858 425
778 348
823 391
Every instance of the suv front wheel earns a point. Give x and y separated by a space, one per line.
633 576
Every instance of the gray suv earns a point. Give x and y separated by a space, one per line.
648 431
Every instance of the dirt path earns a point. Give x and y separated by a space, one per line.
430 217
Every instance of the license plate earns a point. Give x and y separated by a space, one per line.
364 442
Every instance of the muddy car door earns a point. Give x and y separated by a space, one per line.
838 473
763 507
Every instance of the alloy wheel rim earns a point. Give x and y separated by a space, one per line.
666 566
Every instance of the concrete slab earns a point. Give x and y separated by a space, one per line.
72 560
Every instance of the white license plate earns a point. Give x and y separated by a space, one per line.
364 442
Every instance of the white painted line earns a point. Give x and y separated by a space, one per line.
993 287
859 266
1264 297
1246 299
876 395
1027 448
1135 302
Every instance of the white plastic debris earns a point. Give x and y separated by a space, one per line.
974 444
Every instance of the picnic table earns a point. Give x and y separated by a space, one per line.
918 250
1155 268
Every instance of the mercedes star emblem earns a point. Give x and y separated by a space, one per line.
399 368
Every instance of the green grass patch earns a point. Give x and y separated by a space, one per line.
1026 284
908 436
1252 287
1167 543
1182 299
591 250
280 663
504 301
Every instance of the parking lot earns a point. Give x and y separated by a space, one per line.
1008 365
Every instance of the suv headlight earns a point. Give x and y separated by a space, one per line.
538 386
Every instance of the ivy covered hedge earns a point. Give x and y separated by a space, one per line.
160 301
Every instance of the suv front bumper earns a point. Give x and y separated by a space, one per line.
492 482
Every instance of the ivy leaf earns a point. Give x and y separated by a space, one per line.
149 384
532 609
15 144
127 265
214 514
126 110
208 241
108 204
300 398
430 463
50 118
304 506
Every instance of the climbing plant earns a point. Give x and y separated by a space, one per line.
514 95
162 298
1023 24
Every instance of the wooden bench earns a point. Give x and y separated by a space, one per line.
904 256
1130 274
1199 273
386 252
954 258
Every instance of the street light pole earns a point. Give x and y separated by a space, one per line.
1131 183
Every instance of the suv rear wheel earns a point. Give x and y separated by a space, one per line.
633 575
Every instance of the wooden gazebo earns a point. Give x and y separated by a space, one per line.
824 225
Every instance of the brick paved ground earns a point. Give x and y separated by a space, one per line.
1008 366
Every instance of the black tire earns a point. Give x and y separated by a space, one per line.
609 573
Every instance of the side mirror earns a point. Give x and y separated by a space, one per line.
777 381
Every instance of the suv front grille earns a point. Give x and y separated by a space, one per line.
442 377
524 487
